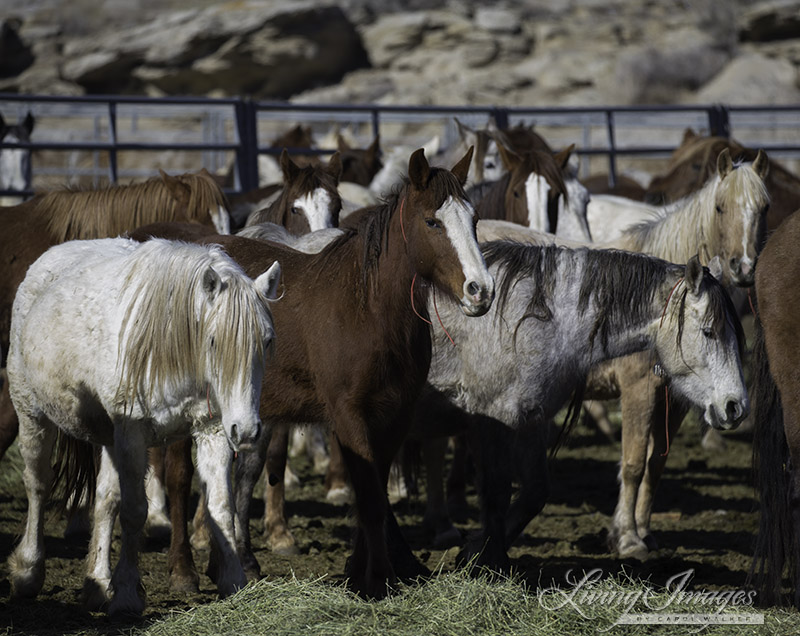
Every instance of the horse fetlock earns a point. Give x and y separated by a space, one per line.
184 580
129 600
281 541
630 546
339 496
27 578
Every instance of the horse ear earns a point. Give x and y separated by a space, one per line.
761 164
335 166
179 190
687 135
694 274
724 163
715 267
211 283
461 169
268 282
510 158
288 167
341 143
28 123
418 169
562 158
374 149
467 134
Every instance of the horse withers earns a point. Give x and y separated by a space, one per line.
145 343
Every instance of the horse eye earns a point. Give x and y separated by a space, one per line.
719 209
432 223
516 194
295 210
709 333
766 209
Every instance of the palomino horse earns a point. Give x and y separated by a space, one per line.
164 340
722 223
694 161
355 350
559 312
308 200
28 229
776 443
15 163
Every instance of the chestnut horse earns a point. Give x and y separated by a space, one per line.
29 229
776 441
355 348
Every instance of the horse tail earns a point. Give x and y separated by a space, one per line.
775 544
75 473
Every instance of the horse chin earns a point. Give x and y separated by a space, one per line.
474 310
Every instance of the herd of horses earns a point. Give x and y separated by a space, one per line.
461 296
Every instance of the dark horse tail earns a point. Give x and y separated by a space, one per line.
75 473
776 544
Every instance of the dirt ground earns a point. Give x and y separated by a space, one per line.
704 521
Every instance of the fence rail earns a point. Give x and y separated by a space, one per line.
237 127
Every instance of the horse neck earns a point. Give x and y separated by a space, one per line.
630 315
682 229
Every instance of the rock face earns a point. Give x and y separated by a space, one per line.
517 52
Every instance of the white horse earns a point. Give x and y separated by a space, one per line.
15 162
559 312
130 345
610 215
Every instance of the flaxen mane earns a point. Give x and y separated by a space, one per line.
165 280
109 212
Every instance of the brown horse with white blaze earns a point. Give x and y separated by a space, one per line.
355 348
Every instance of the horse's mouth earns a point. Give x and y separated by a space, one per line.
726 420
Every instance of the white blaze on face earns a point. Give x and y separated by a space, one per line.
12 166
456 216
536 189
221 220
316 206
493 168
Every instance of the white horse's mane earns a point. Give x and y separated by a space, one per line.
180 300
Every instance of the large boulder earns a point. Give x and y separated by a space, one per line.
267 50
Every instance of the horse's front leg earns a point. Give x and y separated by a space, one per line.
638 405
369 568
178 477
214 458
437 520
130 458
276 528
249 465
26 563
97 589
660 437
530 460
491 446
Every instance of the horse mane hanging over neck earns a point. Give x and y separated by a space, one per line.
83 214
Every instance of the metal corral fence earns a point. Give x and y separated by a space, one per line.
97 140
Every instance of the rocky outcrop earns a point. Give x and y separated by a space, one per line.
516 53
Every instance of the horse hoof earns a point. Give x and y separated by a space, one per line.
95 595
184 583
127 605
447 539
632 548
339 496
285 548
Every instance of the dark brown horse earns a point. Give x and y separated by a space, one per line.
309 199
776 441
354 349
360 165
29 229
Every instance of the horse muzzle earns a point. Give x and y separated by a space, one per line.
477 298
735 411
243 436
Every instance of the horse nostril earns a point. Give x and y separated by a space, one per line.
734 263
473 289
234 434
733 410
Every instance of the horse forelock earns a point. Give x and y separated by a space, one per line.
743 186
172 334
75 213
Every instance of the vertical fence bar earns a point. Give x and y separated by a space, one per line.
719 121
247 153
612 149
112 134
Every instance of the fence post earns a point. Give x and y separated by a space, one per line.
612 149
500 116
719 122
247 152
112 133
